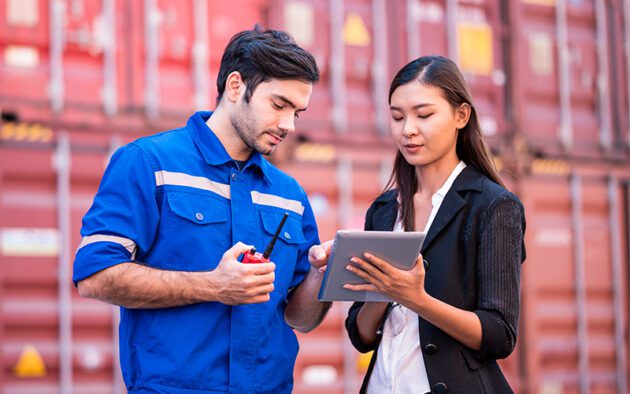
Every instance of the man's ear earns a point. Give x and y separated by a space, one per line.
234 86
462 115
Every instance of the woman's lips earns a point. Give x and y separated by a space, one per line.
413 148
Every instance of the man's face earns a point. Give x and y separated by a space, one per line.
271 113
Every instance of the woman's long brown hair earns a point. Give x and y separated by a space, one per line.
472 149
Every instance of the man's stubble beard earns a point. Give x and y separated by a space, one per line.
244 125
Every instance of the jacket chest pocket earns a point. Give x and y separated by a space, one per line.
196 230
285 252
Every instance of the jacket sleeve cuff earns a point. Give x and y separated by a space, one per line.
497 339
353 329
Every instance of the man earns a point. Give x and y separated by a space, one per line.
174 212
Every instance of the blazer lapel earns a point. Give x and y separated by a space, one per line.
453 202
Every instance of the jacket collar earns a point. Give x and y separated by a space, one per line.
470 179
212 149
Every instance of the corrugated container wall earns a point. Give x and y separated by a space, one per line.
569 82
550 83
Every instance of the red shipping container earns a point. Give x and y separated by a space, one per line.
575 282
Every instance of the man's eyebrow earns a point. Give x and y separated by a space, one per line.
392 107
288 102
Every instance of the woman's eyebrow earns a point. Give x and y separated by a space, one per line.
392 107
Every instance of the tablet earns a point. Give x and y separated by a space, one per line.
400 249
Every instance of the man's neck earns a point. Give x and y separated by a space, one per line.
219 123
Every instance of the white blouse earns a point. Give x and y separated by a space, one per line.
400 365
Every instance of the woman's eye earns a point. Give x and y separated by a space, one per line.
397 118
424 116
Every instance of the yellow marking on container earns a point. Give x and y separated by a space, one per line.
26 132
475 48
541 2
46 134
355 32
7 130
30 364
21 131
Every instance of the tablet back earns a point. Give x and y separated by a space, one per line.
400 249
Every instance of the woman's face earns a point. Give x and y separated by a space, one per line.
424 125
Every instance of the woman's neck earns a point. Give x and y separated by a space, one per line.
432 176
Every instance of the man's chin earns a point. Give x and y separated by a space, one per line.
267 150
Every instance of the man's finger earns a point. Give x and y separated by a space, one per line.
237 249
265 279
320 252
266 289
327 246
316 253
259 299
259 268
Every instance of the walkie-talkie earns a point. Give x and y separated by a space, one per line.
253 257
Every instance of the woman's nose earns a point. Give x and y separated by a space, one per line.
409 128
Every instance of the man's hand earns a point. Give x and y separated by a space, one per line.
304 311
237 283
318 255
133 285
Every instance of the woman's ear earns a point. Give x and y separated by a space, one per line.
462 115
234 86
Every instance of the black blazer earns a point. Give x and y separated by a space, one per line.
474 249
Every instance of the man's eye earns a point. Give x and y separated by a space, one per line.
297 115
276 105
397 118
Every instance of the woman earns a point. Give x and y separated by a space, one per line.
456 312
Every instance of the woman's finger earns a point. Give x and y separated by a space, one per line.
364 287
367 267
361 273
381 264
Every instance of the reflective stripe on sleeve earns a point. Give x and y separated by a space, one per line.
278 202
181 179
124 242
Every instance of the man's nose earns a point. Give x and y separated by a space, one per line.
287 123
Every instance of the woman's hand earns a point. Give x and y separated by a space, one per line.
404 287
407 288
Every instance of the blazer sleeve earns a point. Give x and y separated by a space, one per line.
501 250
351 320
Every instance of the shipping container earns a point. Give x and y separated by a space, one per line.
575 285
574 320
52 340
550 81
553 72
112 64
567 82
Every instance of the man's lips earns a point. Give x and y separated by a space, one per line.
275 139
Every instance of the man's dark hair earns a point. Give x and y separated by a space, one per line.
263 55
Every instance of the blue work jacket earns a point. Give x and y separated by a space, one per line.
177 201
